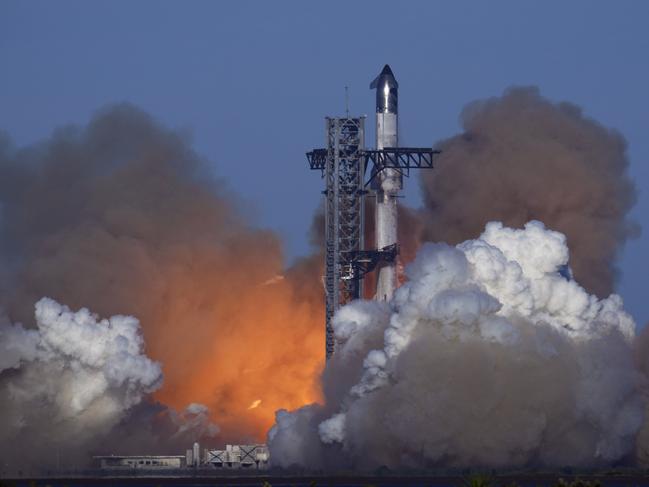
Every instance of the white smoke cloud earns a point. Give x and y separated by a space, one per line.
80 368
70 385
488 355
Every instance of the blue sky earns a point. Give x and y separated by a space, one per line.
250 82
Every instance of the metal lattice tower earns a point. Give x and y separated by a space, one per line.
343 174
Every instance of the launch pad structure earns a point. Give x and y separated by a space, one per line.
349 170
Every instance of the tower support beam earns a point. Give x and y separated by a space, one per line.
344 175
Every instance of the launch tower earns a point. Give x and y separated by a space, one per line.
345 165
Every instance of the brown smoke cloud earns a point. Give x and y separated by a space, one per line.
121 216
522 157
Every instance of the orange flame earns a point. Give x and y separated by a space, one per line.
238 339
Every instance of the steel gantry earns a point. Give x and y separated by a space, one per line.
344 164
343 170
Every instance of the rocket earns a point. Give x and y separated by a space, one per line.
388 182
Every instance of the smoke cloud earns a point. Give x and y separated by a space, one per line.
522 157
489 355
66 385
121 216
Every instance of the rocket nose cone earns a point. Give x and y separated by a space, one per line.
385 74
386 71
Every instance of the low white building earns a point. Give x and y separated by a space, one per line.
143 462
253 457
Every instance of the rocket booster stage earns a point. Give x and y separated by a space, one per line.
389 181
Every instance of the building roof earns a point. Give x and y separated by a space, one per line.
139 456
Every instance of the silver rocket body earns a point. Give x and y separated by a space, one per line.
388 182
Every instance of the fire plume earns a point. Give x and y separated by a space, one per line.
241 342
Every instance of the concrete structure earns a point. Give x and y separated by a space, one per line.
196 455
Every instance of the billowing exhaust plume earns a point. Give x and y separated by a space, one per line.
489 355
121 216
68 384
521 157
